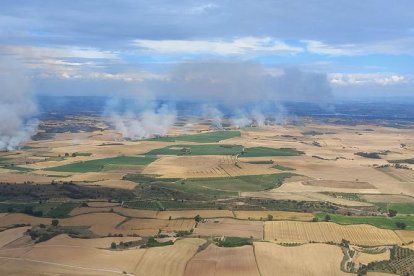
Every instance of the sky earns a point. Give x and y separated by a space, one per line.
365 49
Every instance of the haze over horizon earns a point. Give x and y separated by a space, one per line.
193 49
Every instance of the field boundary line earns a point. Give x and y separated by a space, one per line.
255 259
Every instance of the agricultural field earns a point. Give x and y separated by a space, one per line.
378 221
104 164
248 201
307 259
223 261
273 215
206 137
230 227
327 232
224 149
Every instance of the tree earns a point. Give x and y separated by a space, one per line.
345 243
198 218
269 217
392 213
113 245
55 222
327 218
401 224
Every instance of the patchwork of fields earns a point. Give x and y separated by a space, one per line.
251 201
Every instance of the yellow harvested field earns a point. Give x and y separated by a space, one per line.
405 235
204 166
400 174
389 198
116 209
86 210
230 227
307 259
221 261
100 223
365 258
24 177
277 215
300 187
339 184
65 240
65 259
119 184
305 232
168 260
150 227
16 218
298 195
11 235
63 255
193 213
95 176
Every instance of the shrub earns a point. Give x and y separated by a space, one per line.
392 213
401 225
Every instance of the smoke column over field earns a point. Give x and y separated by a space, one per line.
141 118
247 93
17 107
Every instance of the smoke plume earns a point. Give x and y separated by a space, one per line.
144 124
17 107
244 92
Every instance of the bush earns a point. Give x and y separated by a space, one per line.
198 218
327 218
401 225
113 245
55 222
392 213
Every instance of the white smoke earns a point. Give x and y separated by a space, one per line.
146 124
258 118
239 122
214 115
17 107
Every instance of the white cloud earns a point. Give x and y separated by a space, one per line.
341 79
196 10
31 52
390 47
239 46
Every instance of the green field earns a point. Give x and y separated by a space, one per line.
219 149
401 208
104 164
211 149
282 168
214 186
264 151
16 168
378 221
207 137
